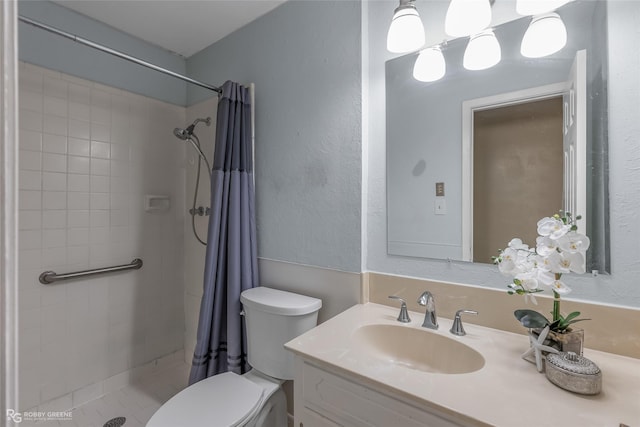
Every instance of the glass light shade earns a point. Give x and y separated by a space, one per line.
430 65
406 32
537 7
546 35
482 52
466 17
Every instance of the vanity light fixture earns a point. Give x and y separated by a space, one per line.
537 7
482 52
430 65
545 35
406 32
466 17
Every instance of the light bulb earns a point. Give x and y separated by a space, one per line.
406 32
546 35
430 65
466 17
482 52
537 7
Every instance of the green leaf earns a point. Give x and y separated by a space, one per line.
575 321
555 326
562 324
531 319
517 282
571 316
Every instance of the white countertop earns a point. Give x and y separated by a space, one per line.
507 391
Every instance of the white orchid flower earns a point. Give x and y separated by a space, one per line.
559 249
528 280
553 228
508 261
574 261
560 288
552 263
574 242
545 277
545 246
518 245
506 266
530 298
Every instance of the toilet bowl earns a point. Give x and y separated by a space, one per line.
256 398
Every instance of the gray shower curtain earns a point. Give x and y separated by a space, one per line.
231 263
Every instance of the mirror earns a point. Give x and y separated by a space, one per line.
431 159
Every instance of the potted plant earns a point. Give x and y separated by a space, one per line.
559 249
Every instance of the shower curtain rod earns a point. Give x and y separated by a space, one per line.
116 53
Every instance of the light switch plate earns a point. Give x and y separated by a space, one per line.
440 206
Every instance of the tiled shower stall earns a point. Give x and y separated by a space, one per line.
88 156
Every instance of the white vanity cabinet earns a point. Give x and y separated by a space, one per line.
325 398
347 375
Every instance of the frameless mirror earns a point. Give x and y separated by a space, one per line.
476 158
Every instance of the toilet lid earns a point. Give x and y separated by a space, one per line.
223 400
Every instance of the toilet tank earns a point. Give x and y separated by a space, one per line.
274 317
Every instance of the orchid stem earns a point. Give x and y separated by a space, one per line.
556 302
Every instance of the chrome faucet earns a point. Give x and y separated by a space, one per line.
430 318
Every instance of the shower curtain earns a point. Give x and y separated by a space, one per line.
231 263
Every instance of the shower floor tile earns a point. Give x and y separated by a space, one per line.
137 402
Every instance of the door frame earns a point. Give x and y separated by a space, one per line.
469 107
9 211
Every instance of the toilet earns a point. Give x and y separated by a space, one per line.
273 317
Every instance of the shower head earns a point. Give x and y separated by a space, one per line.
182 134
185 134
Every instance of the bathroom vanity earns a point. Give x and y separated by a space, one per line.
364 368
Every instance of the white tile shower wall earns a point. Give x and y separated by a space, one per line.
88 154
194 251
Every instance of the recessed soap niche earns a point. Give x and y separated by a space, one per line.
156 203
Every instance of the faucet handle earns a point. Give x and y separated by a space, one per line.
404 314
457 328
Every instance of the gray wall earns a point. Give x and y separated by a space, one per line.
304 58
621 287
54 52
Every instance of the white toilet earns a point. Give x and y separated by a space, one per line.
256 398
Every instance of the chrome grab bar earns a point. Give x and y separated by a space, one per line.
48 277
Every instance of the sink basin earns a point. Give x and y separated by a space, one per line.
417 349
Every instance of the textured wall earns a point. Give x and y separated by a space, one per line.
39 47
621 286
88 155
304 58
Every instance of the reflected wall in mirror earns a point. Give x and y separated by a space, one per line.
513 147
432 138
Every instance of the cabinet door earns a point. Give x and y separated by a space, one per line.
310 418
348 403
